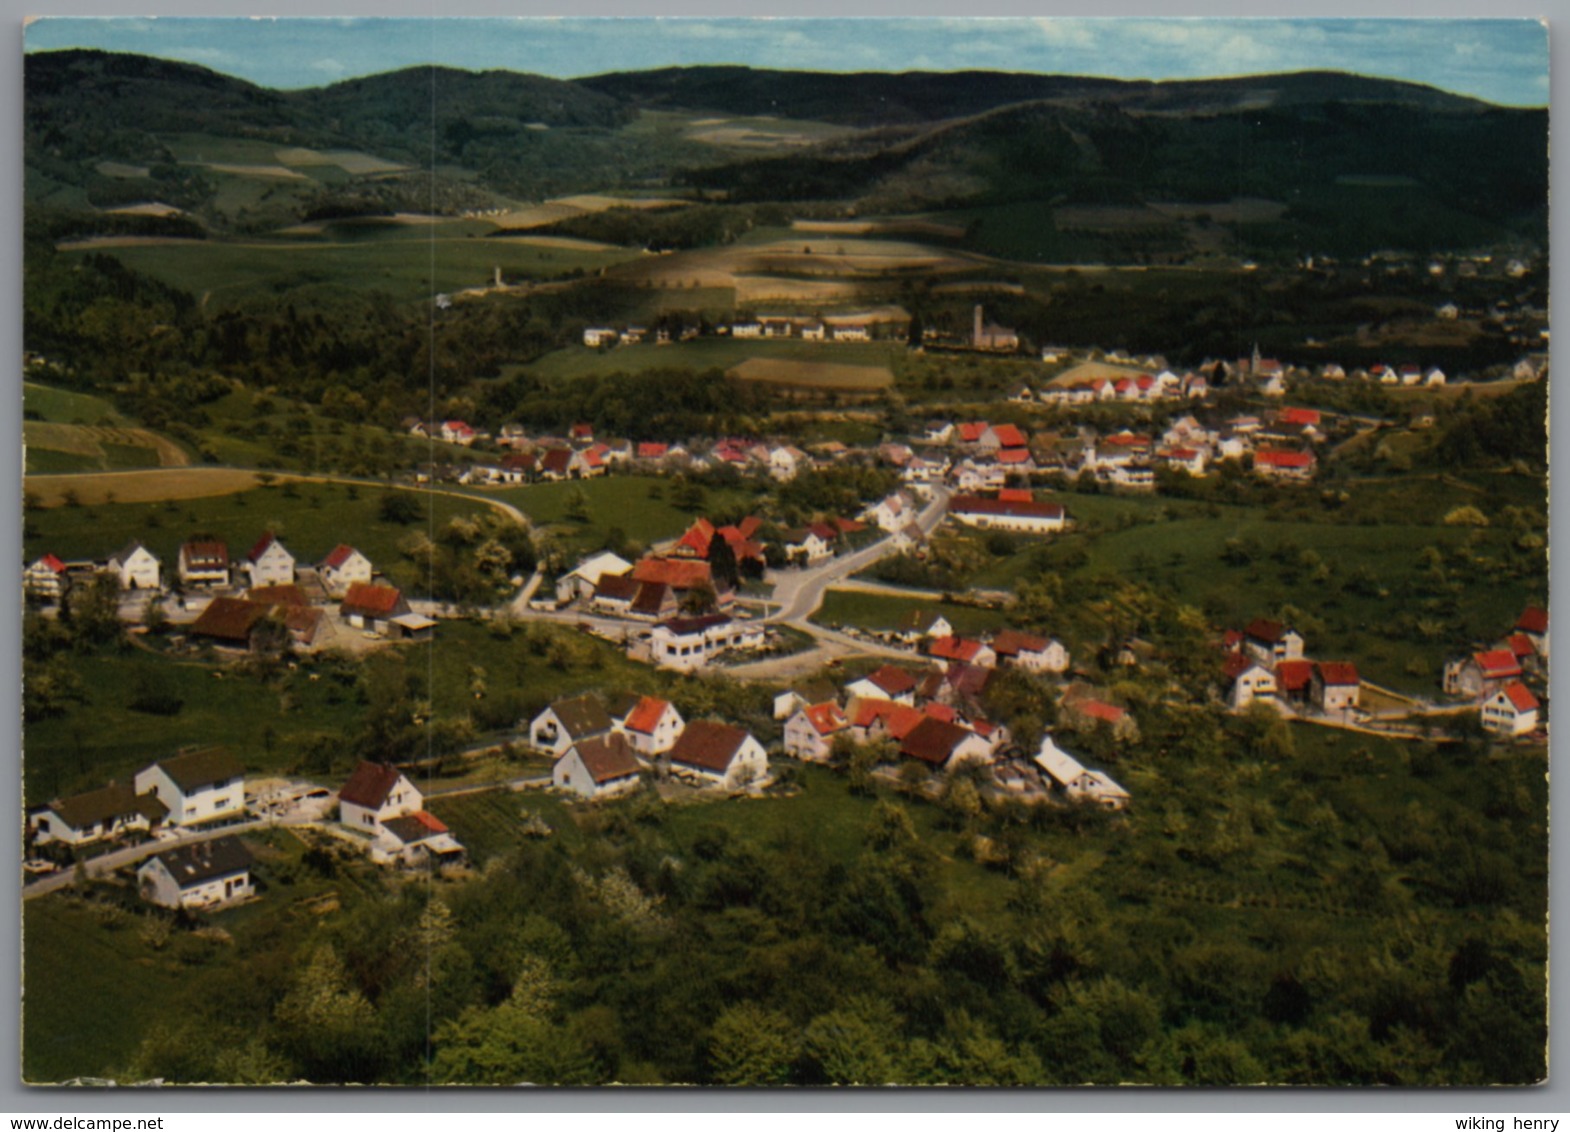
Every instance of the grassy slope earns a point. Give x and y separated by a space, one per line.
66 407
613 501
703 354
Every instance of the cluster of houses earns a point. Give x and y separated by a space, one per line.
1494 678
602 750
1264 663
230 602
934 718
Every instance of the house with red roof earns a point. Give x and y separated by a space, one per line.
718 754
602 766
45 579
811 544
269 563
1533 624
1336 686
1480 675
652 725
1030 651
874 719
458 432
1284 464
1511 711
1271 642
811 731
942 746
970 432
1000 436
373 607
1245 680
203 562
417 840
343 567
374 793
962 650
1293 681
1298 418
887 683
1028 517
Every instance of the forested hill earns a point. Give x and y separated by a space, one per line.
878 99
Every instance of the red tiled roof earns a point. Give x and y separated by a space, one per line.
57 567
261 546
1100 710
708 745
606 757
652 450
429 821
649 598
848 526
1533 620
617 587
1278 458
898 719
369 785
1296 416
1338 673
749 526
229 619
1294 675
1497 663
955 648
826 719
1016 495
367 597
557 460
697 538
1235 664
941 711
1013 455
646 716
1012 642
1520 644
1009 435
1265 631
677 573
1520 697
290 595
970 431
340 554
933 740
893 680
207 554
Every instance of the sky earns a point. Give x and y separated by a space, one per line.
1500 60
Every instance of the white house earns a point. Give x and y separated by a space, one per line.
1024 515
1335 686
109 811
45 579
943 745
376 793
416 839
686 643
197 787
1511 711
652 726
136 567
1029 651
203 875
1247 680
886 683
596 336
203 562
811 544
810 733
1271 641
601 767
567 722
269 563
892 512
719 754
344 567
923 622
1078 783
581 581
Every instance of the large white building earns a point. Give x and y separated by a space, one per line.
197 787
1005 514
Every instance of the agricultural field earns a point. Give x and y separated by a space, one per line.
817 376
156 485
310 517
64 406
879 612
98 447
409 263
709 353
635 505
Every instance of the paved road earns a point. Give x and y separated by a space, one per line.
799 593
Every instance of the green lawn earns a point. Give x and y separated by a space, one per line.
621 502
42 461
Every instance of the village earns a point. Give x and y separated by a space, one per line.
722 594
